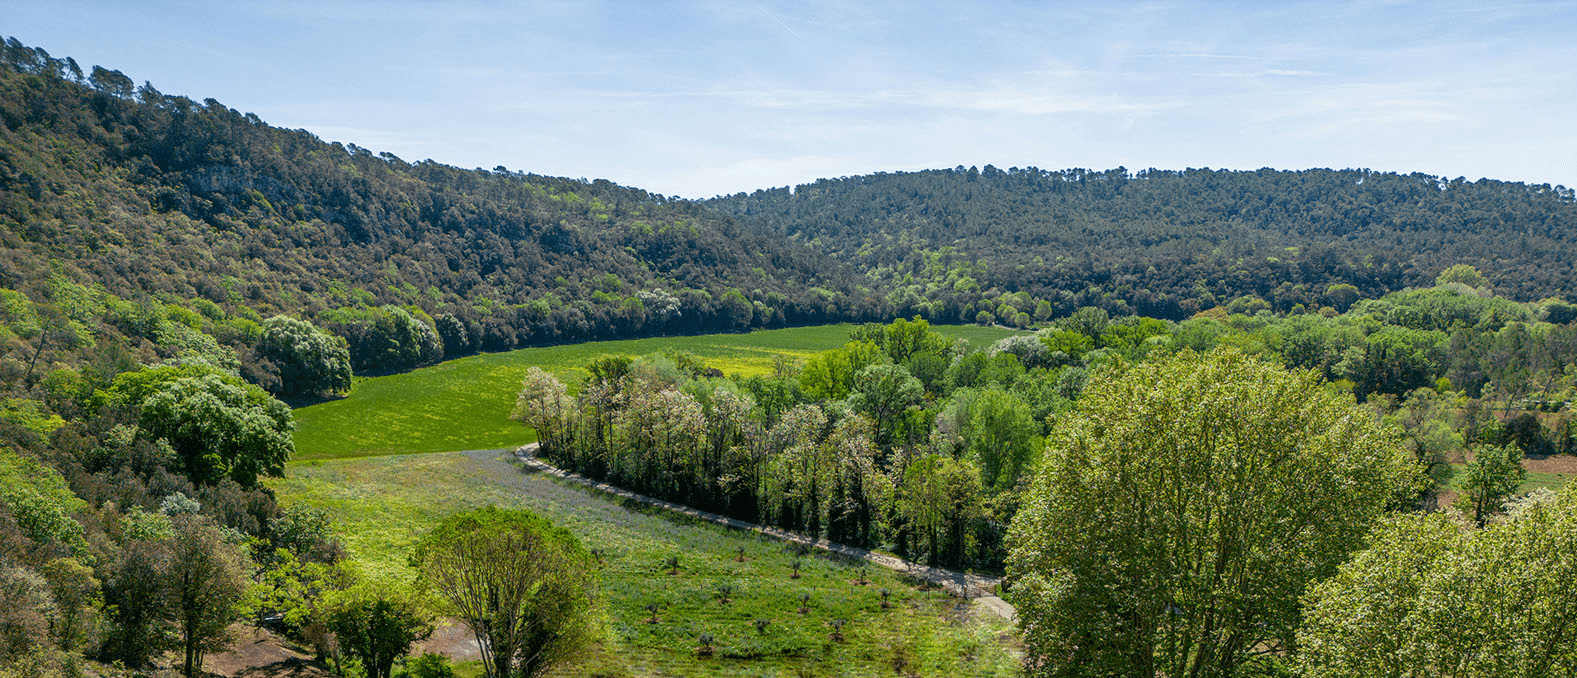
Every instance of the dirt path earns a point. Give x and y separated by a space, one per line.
978 588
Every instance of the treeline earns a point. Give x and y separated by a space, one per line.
145 194
902 440
844 446
1168 244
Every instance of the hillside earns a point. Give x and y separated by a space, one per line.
1168 244
148 194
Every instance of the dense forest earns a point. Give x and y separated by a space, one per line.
1168 244
148 195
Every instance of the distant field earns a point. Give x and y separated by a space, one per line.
381 505
1548 480
464 404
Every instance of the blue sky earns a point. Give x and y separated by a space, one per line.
713 97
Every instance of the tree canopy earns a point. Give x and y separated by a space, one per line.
1183 508
524 587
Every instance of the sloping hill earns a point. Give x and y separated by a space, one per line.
1167 244
149 194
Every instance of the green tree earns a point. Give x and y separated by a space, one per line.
1503 604
27 611
832 374
207 579
310 361
1184 507
1000 435
1491 478
1431 600
524 587
219 428
135 601
1363 622
940 497
885 393
377 625
1462 274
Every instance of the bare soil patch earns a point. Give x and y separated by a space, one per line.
260 654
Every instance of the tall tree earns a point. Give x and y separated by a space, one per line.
208 577
377 625
1184 507
1491 478
524 587
310 361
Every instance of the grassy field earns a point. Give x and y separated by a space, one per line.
1535 479
464 404
381 505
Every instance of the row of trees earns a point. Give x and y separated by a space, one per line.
846 447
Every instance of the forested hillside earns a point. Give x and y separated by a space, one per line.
123 187
1168 244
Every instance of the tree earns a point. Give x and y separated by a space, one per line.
885 393
220 428
1490 479
1183 508
833 374
940 498
27 611
1363 621
135 602
1000 434
207 579
1429 599
1031 351
544 404
524 587
1462 274
310 361
377 625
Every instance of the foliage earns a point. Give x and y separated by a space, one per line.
377 624
41 503
208 577
27 613
310 361
1492 476
384 338
1184 507
1429 599
525 588
466 404
383 505
219 429
143 193
963 243
1363 620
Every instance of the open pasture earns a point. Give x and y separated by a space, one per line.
381 505
464 404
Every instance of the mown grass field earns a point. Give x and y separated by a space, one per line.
464 404
381 505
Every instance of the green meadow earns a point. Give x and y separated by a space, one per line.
464 404
381 505
1452 475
